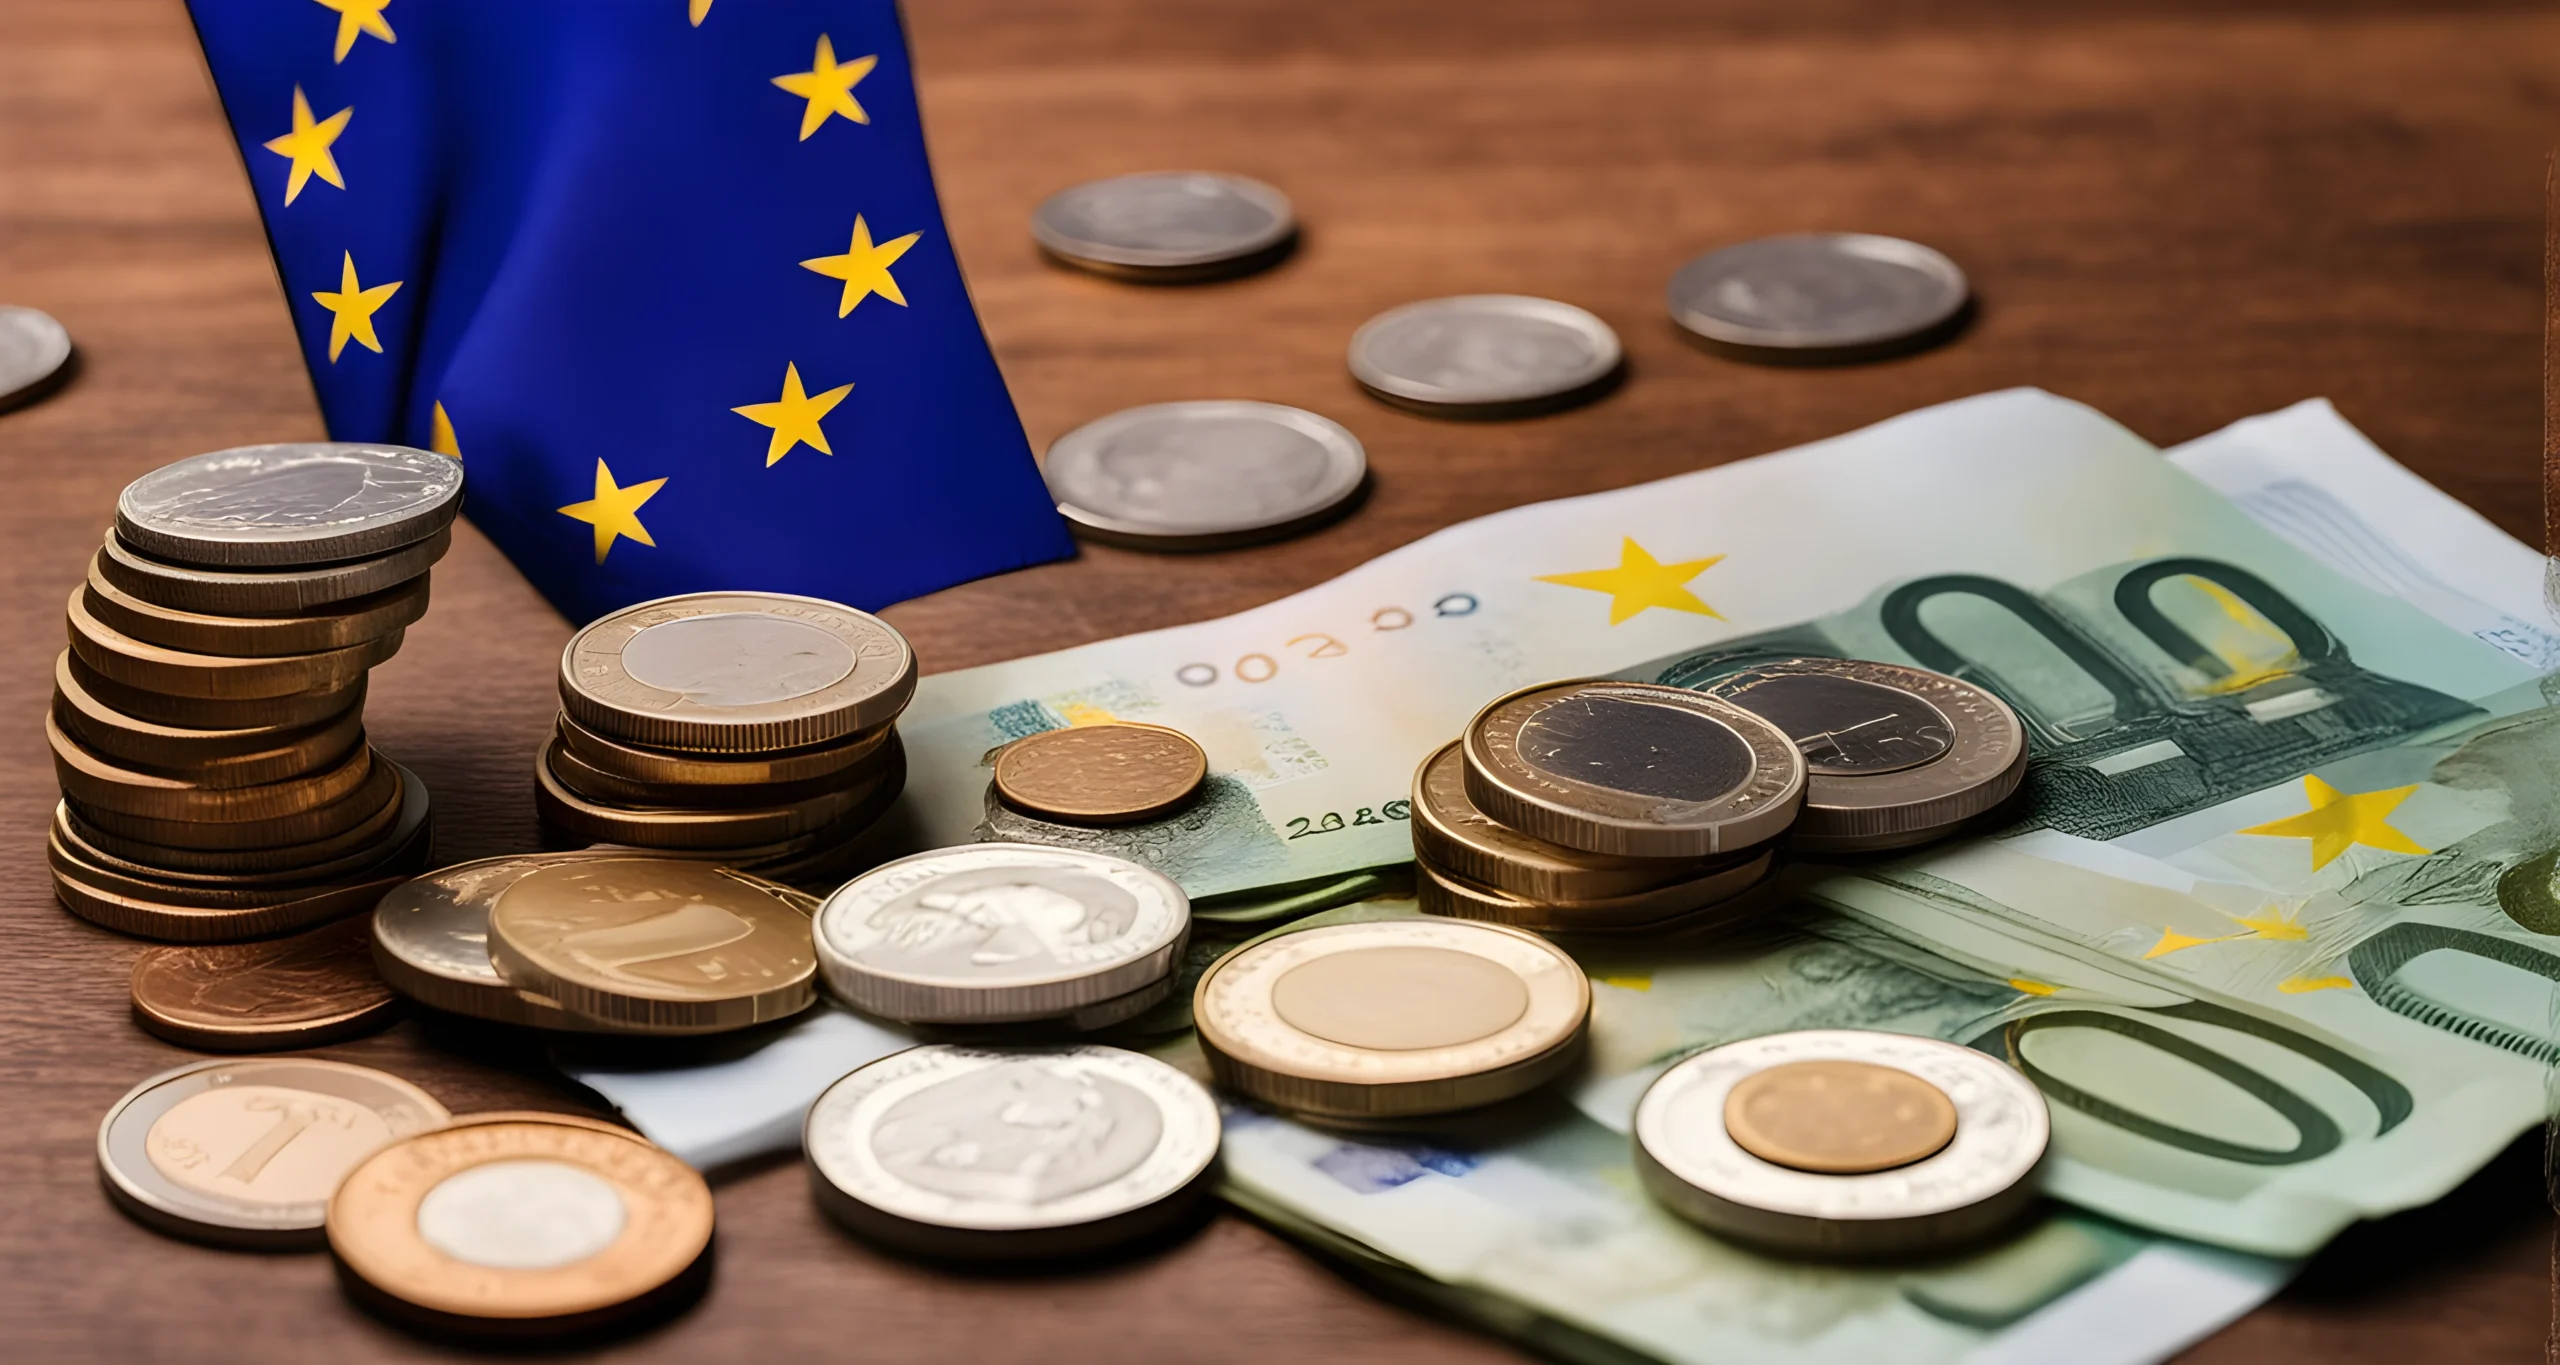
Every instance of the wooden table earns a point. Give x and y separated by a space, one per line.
2181 211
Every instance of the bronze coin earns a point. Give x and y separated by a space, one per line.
1113 774
379 788
1449 830
265 592
1838 1117
1721 883
750 826
636 763
314 987
209 713
180 673
343 625
613 789
150 918
208 758
400 820
99 783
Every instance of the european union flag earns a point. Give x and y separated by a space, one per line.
669 276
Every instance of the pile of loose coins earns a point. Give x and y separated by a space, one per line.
1622 808
208 719
755 728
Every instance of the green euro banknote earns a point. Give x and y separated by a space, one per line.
2142 621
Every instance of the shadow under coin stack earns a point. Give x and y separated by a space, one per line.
207 722
755 728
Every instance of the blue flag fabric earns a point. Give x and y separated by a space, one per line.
669 276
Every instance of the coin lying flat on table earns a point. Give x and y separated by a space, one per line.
401 822
987 933
1803 1141
1819 297
1632 769
343 625
312 502
991 1153
1204 475
211 758
521 1224
736 673
216 677
1392 1017
315 987
265 592
205 713
431 943
1448 830
1166 226
1484 355
33 351
1114 774
245 1153
1894 756
655 945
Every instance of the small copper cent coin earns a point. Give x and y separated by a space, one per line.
312 988
1449 830
1114 774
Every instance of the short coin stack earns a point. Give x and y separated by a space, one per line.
755 727
207 722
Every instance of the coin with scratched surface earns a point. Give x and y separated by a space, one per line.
1819 296
1204 475
33 351
1011 1152
1392 1017
736 673
656 945
1632 769
1793 1141
521 1224
313 502
312 988
245 1152
264 592
431 942
985 933
1483 354
1113 774
1166 224
1893 756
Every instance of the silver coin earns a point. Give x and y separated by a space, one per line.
990 933
1202 475
246 1153
1689 1157
1893 755
1011 1152
268 592
312 502
1818 295
33 350
1503 352
1164 221
431 943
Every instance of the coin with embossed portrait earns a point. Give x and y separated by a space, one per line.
736 673
245 1152
1011 1152
430 938
656 945
311 502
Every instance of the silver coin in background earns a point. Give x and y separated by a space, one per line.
33 350
310 502
1204 475
1484 355
1005 1153
1166 225
431 942
1819 297
1708 1157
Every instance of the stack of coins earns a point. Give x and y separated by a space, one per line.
755 728
207 723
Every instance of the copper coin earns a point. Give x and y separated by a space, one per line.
663 828
1839 1117
143 918
312 988
264 592
1114 774
613 789
637 763
136 663
379 835
736 672
379 788
521 1224
209 713
100 783
341 626
208 758
1719 881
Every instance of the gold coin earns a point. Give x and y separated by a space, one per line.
638 763
314 987
1838 1117
1442 892
1391 1017
144 918
343 625
1115 774
1450 831
736 673
609 788
400 820
179 673
645 828
656 945
379 787
431 943
265 592
100 783
208 758
195 892
205 713
521 1224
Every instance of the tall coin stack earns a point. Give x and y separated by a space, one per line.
758 728
207 722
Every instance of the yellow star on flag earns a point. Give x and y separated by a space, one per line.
794 417
864 267
440 437
358 16
353 306
828 87
697 11
307 146
2338 821
1641 581
615 511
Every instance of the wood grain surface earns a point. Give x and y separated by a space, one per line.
2181 211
